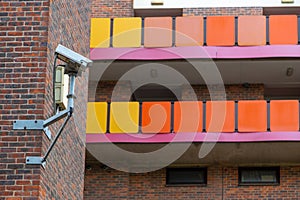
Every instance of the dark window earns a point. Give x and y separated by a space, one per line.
282 92
155 92
259 175
281 11
157 12
183 176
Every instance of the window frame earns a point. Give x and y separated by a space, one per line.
245 183
201 170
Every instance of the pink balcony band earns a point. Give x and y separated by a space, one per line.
194 137
235 52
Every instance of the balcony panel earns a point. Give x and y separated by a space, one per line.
189 31
156 117
220 116
188 116
252 116
100 33
124 117
283 29
284 115
251 30
96 117
127 32
220 31
158 32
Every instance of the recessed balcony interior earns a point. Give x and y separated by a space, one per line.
281 76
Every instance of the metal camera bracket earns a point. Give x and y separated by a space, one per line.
43 125
75 64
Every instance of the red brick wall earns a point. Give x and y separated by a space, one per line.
23 62
112 8
63 177
124 8
233 92
222 11
112 184
27 43
289 187
103 92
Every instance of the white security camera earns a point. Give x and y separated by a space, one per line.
75 63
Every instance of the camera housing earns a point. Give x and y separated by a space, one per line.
75 63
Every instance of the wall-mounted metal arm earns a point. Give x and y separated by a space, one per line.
40 124
43 124
56 118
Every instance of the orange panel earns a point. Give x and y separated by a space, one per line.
251 30
158 32
252 116
283 29
189 31
284 115
220 116
220 31
156 117
188 116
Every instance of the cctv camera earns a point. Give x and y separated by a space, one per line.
75 63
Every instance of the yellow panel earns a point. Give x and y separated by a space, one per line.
127 32
100 32
96 117
124 117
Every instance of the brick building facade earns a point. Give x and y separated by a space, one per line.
30 32
102 182
222 183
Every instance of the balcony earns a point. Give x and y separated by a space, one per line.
231 121
242 132
217 37
244 49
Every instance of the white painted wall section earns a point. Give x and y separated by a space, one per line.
146 4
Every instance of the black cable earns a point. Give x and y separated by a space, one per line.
56 137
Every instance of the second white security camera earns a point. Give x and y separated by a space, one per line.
75 63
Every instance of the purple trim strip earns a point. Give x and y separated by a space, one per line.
193 137
195 52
